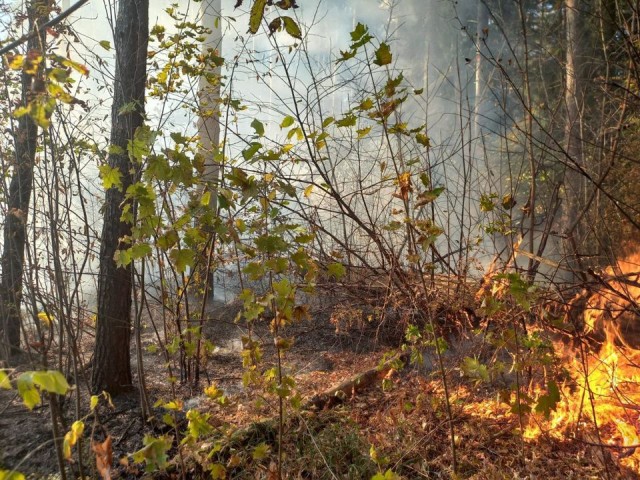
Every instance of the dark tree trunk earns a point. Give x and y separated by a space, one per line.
19 197
112 366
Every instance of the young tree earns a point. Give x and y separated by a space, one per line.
112 367
19 195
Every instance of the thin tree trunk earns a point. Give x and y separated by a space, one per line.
112 365
209 92
209 133
479 114
19 197
573 181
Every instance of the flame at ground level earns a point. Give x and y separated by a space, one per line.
600 404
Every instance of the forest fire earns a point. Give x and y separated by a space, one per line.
600 402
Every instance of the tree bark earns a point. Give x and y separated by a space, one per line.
573 180
480 80
19 195
112 364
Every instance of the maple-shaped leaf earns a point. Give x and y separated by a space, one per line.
549 401
383 55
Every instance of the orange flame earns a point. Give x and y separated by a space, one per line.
602 401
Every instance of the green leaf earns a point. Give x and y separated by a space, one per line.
366 104
258 127
205 199
122 258
472 368
251 150
549 401
111 177
198 425
383 55
130 107
168 240
358 32
327 121
292 27
429 196
182 259
5 383
287 121
347 121
388 475
255 270
140 250
218 471
392 226
261 451
422 139
486 202
336 270
51 381
115 150
106 44
346 55
154 452
257 12
270 243
11 475
362 132
27 391
142 143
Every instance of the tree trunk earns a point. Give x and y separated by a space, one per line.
573 181
112 366
480 80
209 133
19 197
209 92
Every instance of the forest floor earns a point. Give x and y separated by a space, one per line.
402 427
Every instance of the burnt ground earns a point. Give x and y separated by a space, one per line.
406 422
321 356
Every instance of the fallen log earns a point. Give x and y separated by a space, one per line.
357 384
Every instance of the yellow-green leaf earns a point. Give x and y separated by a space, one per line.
182 259
111 177
5 383
292 27
287 121
307 191
15 61
383 55
27 391
261 451
51 381
362 132
11 475
257 12
258 127
336 270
